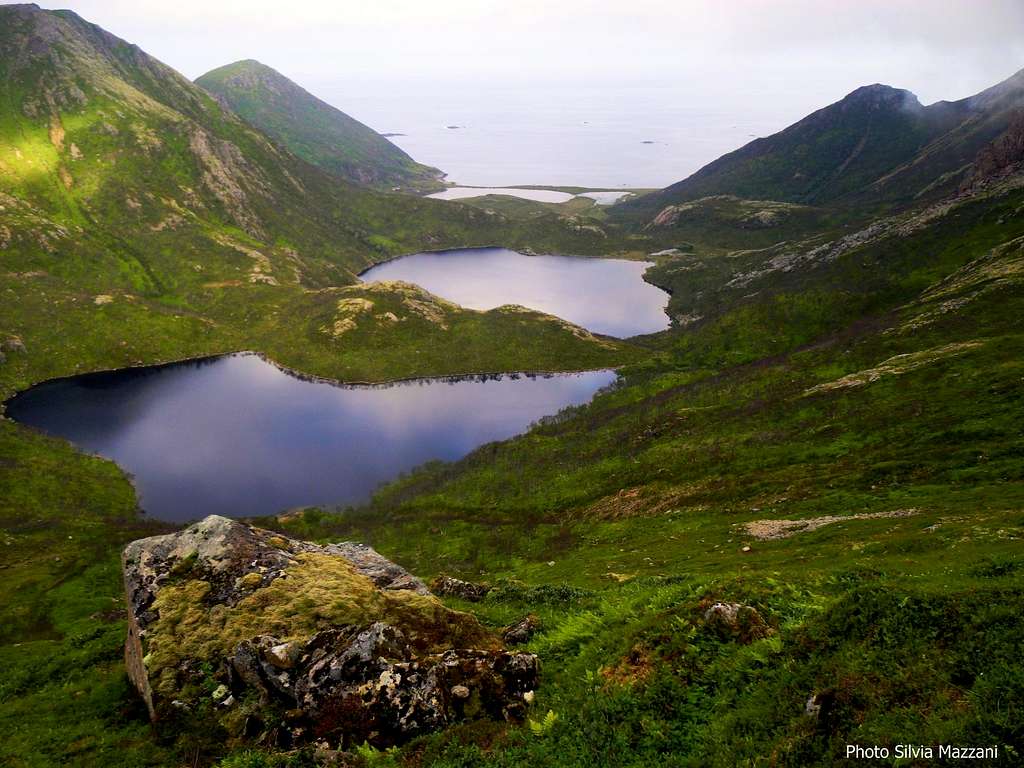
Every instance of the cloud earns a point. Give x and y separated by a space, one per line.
702 76
930 46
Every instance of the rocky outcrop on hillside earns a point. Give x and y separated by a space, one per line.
726 209
448 586
736 621
285 642
1002 157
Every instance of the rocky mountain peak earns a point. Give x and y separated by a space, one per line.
881 97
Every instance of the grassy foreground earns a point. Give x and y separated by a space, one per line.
881 415
885 422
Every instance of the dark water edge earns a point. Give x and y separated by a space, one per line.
240 436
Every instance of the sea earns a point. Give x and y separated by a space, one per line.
603 136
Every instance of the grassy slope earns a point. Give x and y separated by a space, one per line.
314 130
883 615
886 618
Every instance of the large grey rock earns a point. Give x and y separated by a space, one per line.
384 573
307 643
522 630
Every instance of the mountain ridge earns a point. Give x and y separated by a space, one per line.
101 135
878 144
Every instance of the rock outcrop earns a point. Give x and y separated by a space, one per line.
448 586
736 621
1001 158
522 630
286 642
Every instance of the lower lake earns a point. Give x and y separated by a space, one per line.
238 436
606 296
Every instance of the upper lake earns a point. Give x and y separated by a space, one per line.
606 296
238 436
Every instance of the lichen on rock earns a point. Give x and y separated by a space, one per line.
448 586
299 641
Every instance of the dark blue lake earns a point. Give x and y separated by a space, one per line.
237 436
606 296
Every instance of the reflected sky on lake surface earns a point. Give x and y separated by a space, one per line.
603 295
237 436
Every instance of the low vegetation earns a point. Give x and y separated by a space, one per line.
638 510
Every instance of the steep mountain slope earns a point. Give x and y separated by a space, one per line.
1000 158
313 129
877 145
140 220
98 135
944 162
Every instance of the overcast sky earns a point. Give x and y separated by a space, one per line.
937 48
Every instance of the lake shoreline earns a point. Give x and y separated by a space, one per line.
527 251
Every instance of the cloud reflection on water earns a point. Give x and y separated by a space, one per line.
238 436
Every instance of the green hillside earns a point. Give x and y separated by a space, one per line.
141 221
313 129
836 442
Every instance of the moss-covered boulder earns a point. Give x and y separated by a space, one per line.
287 642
